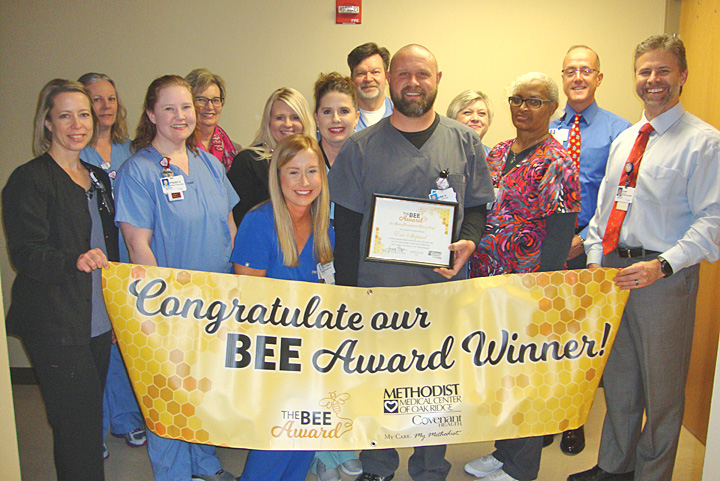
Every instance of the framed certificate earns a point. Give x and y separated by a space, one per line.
411 231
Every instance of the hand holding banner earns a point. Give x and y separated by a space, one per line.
271 364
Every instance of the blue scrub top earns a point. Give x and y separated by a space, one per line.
191 233
118 155
257 247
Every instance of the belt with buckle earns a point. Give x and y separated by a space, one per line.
632 252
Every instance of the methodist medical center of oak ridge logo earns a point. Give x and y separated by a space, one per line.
431 404
313 424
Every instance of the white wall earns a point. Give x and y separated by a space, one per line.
258 46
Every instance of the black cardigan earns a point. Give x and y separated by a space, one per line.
249 176
47 224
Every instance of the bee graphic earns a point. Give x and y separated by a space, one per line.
334 403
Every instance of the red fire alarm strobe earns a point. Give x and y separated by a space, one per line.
348 11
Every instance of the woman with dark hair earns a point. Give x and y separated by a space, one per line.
58 213
529 228
184 224
289 237
286 113
336 115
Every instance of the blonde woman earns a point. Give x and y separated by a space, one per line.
58 215
472 108
286 113
286 238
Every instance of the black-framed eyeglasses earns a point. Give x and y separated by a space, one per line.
216 101
572 72
532 103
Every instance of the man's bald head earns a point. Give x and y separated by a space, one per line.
415 50
413 78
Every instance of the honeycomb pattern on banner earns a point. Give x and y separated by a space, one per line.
542 398
548 398
167 391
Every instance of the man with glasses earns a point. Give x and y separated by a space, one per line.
586 131
658 217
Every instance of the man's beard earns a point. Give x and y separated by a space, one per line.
365 96
413 107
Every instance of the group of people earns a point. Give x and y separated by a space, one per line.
568 193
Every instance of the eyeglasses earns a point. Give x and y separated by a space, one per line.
531 102
216 101
585 72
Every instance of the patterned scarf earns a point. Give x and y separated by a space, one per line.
221 147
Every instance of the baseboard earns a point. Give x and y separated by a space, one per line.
22 375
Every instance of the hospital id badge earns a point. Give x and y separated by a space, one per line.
561 135
448 195
326 273
173 184
173 187
624 197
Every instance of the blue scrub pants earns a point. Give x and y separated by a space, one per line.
120 409
175 460
277 465
332 459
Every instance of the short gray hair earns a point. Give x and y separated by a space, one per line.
466 98
551 88
201 78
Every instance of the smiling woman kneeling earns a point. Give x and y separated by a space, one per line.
288 237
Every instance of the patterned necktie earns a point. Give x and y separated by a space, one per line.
573 147
627 179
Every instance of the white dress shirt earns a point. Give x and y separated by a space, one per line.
676 207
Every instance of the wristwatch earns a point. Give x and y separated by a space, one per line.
665 266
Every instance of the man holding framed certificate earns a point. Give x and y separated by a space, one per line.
409 183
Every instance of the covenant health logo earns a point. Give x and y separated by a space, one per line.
432 404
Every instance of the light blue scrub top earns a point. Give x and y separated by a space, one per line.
118 155
191 233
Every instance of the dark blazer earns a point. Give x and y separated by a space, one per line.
47 223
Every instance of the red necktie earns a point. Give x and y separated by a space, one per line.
574 141
627 179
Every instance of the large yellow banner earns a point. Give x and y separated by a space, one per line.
269 364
